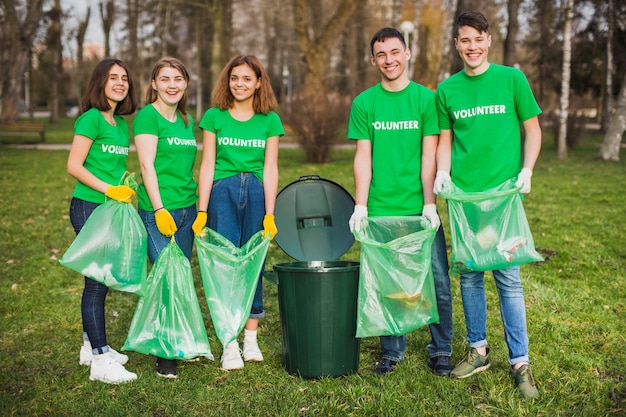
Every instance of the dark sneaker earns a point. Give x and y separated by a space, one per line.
440 365
525 382
385 366
166 368
473 363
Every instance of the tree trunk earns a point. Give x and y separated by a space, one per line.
608 86
107 14
56 70
510 43
16 39
315 50
446 58
565 80
609 150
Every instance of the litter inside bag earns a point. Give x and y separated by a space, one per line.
396 285
230 276
111 248
167 322
489 229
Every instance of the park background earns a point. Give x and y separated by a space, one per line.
317 55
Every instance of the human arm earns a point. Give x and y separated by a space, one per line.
443 157
429 167
205 180
146 145
270 185
362 180
76 168
532 147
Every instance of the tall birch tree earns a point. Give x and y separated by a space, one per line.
565 79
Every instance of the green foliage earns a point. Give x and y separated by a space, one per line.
575 308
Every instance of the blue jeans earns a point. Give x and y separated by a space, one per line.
236 211
393 347
94 293
512 310
184 236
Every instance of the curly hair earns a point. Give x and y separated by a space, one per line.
264 98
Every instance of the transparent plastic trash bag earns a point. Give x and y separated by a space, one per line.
396 285
489 229
230 276
111 248
168 322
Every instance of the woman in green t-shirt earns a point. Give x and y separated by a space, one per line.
166 147
238 179
97 160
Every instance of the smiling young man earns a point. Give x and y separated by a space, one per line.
480 110
394 124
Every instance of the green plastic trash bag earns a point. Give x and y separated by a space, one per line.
489 229
396 285
168 322
111 248
230 276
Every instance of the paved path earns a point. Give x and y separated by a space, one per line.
66 146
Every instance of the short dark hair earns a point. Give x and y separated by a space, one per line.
471 18
94 95
386 33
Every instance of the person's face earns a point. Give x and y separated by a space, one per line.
170 85
390 57
243 82
473 47
116 86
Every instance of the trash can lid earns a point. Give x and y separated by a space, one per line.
312 217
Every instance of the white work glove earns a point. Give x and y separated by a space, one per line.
523 180
360 212
441 180
430 212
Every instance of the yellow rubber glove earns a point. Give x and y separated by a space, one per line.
269 226
199 224
165 222
121 193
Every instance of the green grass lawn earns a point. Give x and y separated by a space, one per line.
576 302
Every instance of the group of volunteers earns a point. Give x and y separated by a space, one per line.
411 143
234 196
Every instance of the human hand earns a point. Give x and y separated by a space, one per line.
430 212
442 180
199 224
360 213
523 180
165 222
269 226
121 193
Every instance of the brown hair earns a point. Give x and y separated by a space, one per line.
264 98
94 95
472 19
386 33
151 94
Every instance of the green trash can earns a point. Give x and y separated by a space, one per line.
317 295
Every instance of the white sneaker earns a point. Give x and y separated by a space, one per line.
251 351
104 368
231 357
86 356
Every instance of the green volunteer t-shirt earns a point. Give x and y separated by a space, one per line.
175 157
484 113
395 123
240 146
107 155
